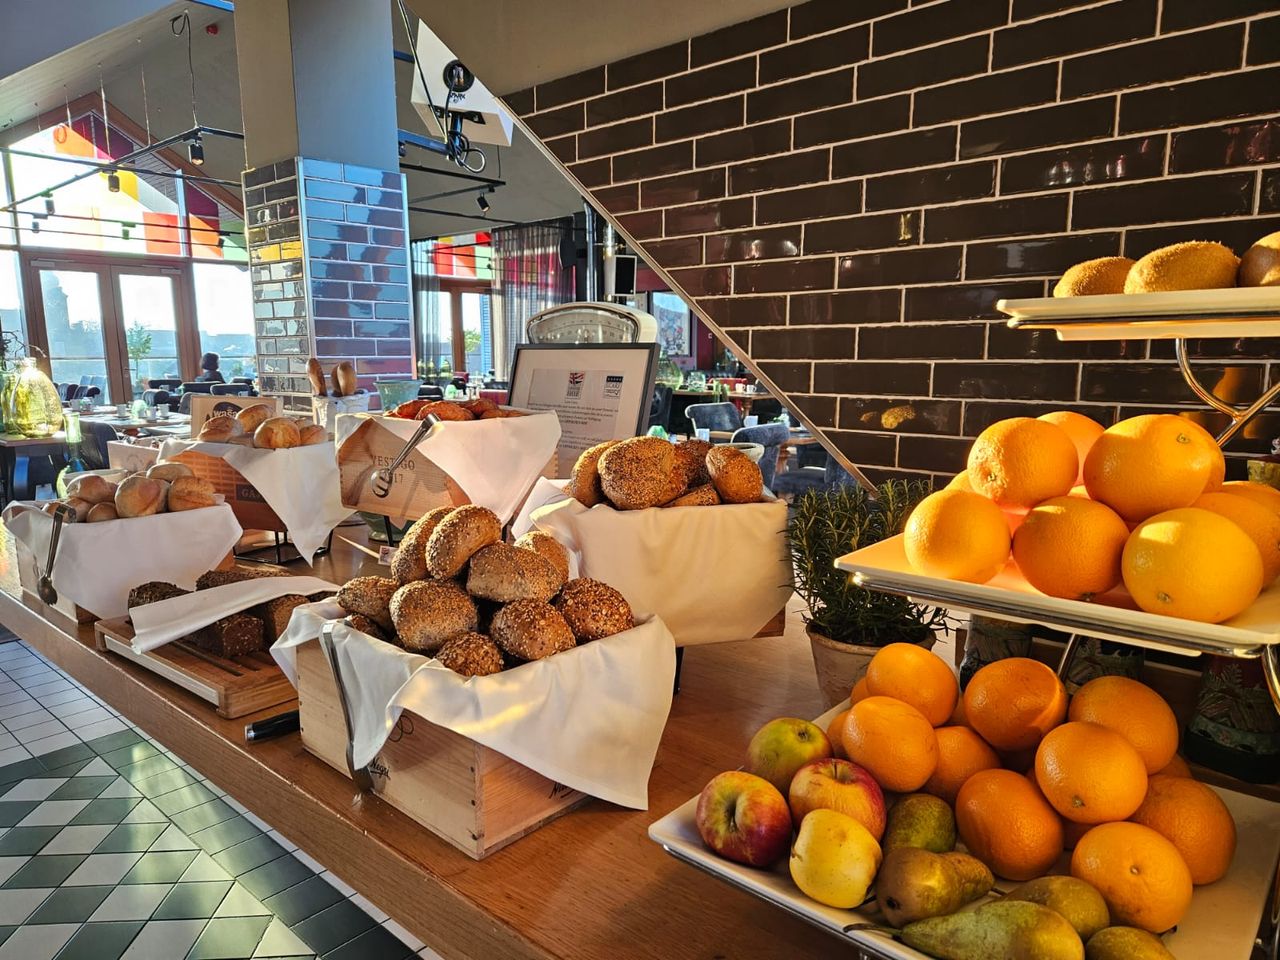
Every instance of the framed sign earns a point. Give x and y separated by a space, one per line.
600 391
675 322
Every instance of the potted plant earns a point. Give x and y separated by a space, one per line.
846 623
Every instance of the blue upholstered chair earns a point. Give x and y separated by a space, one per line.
792 483
714 416
771 436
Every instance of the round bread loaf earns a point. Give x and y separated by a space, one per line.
358 621
593 610
531 630
1094 277
479 406
703 496
252 417
370 596
169 471
81 508
1260 265
190 493
220 429
550 548
504 573
584 479
93 488
409 562
140 496
277 433
429 612
1197 265
101 512
471 655
445 410
311 434
691 462
736 478
459 535
637 473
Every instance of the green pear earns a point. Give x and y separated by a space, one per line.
1076 900
920 820
914 884
1008 929
1126 943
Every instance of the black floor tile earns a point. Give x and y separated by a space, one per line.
11 811
187 798
192 901
243 857
202 816
101 940
60 758
22 770
225 834
6 932
113 741
375 944
26 841
109 810
333 926
130 754
270 878
82 788
164 866
70 905
229 937
131 838
47 871
71 769
303 900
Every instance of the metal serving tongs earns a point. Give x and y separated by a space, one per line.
381 480
362 778
61 514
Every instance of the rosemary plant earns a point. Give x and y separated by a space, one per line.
827 524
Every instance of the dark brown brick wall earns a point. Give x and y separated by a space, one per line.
846 188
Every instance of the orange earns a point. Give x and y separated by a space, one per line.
1261 493
1072 832
960 482
917 676
1194 819
1193 564
1177 767
957 536
1218 468
1134 711
1070 547
1145 465
1006 823
1014 702
1090 774
1139 873
893 741
1082 430
1020 462
860 691
834 731
1261 524
961 754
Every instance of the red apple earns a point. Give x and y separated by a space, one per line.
783 746
744 818
838 785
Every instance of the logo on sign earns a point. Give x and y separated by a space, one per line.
613 386
574 390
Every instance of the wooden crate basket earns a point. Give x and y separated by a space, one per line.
235 686
469 795
245 501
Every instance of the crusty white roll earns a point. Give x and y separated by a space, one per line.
190 493
547 545
169 471
92 487
736 477
140 496
409 562
252 417
531 630
80 506
277 433
311 434
503 573
426 613
458 536
593 610
102 512
637 473
220 429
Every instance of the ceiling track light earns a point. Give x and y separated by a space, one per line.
483 203
195 150
48 203
113 181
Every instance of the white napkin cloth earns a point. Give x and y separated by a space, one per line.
495 462
590 718
300 484
711 573
156 624
99 563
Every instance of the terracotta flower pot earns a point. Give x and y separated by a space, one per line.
840 665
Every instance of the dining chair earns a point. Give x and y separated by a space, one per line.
771 436
714 416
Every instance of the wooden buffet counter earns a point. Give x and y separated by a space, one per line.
588 885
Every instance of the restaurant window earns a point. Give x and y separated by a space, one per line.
224 315
453 286
11 294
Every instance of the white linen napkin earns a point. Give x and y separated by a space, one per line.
590 718
495 462
299 483
99 563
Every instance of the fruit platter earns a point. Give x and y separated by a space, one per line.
918 821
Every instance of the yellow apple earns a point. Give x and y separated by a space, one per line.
834 859
783 746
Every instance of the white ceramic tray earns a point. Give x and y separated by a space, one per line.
1231 313
1221 924
1113 616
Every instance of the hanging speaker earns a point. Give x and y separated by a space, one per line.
624 276
568 251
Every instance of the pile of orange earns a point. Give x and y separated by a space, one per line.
1082 510
1030 774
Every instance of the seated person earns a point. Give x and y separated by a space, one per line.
209 369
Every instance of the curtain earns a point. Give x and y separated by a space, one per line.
528 277
432 329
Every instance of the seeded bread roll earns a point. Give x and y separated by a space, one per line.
370 596
636 474
550 548
593 610
220 428
458 536
471 655
735 477
153 592
703 496
220 578
691 462
140 496
190 493
504 573
427 613
531 630
358 621
409 562
101 512
277 433
252 417
584 479
94 488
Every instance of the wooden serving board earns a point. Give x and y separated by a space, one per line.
235 686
